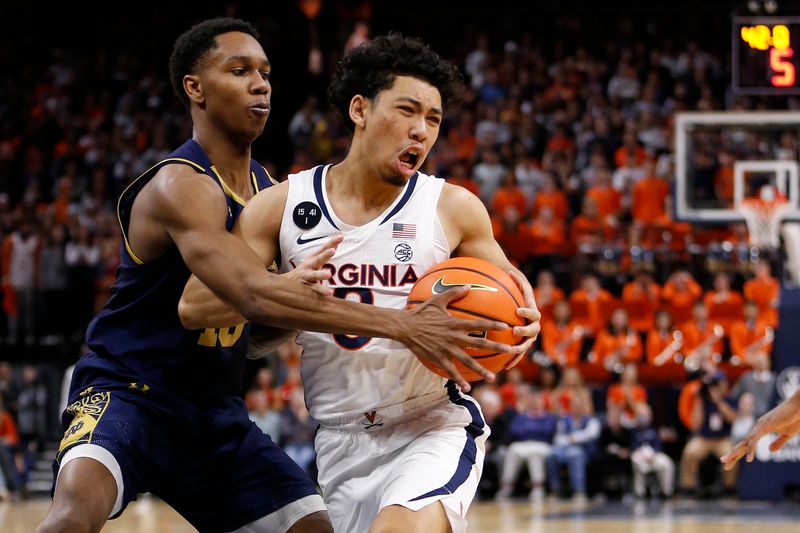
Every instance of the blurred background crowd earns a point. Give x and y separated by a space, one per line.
656 335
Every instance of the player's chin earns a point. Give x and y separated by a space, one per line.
256 130
394 179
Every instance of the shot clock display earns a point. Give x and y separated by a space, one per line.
766 55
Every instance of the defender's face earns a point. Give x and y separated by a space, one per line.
235 80
402 126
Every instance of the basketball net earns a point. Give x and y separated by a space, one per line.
763 218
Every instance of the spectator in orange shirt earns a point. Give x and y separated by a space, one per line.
609 200
546 384
509 195
723 177
552 197
629 396
640 298
647 199
459 176
664 341
617 345
547 295
588 227
548 235
751 337
764 290
462 138
63 200
572 385
560 141
702 338
679 294
515 237
724 305
9 442
591 305
630 146
562 339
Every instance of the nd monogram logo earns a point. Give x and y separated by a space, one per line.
371 420
74 429
86 412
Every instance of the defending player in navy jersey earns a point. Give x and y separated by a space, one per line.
154 406
399 448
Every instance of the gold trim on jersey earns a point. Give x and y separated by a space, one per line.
228 190
255 182
273 180
121 196
86 412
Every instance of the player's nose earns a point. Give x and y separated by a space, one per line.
260 85
418 130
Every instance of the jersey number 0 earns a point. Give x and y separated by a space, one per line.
353 342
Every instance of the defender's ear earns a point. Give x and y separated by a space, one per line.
193 88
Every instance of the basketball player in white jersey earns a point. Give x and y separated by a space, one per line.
399 448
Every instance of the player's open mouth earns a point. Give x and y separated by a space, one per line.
409 158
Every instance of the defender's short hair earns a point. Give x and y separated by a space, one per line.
194 44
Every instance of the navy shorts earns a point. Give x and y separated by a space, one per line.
210 462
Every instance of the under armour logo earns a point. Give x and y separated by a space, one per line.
144 387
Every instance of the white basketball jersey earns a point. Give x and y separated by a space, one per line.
347 376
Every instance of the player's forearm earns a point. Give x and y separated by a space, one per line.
200 308
285 303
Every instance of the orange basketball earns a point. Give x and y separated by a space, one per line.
493 296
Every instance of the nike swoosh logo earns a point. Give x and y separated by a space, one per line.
301 240
440 286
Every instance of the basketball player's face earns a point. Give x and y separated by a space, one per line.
402 126
236 86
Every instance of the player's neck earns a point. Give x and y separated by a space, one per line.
358 181
230 159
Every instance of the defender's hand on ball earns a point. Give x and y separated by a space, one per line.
439 337
310 271
531 314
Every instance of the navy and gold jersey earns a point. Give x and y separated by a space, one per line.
138 335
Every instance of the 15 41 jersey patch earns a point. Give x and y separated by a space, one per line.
306 215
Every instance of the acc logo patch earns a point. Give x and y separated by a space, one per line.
403 252
306 215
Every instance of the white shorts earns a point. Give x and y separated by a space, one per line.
413 455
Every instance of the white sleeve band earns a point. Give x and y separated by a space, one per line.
102 456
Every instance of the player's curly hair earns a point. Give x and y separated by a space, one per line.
194 44
373 66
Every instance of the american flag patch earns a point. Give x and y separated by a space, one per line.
404 231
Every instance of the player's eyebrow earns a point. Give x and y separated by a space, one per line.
417 103
247 59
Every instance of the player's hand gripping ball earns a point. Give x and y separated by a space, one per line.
493 295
